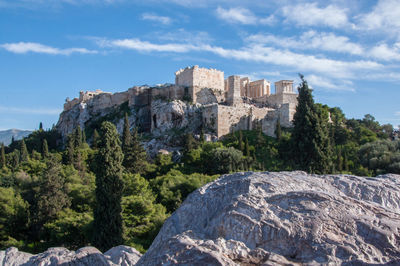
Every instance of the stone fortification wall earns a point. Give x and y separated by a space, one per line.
210 117
276 100
233 93
240 117
200 77
286 113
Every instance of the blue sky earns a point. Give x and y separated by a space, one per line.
349 51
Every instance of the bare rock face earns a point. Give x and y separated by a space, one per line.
121 255
284 218
174 115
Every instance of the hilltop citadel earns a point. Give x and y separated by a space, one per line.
223 105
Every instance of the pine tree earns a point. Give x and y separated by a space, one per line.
95 139
240 140
247 148
52 195
135 156
2 156
278 130
310 138
109 188
40 126
78 137
23 152
45 149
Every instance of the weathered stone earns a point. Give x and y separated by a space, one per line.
121 255
281 218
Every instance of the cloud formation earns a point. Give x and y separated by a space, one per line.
156 18
309 14
31 47
242 16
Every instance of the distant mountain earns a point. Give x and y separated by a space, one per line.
6 135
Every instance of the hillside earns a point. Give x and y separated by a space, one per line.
6 135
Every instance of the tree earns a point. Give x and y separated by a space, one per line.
78 137
135 156
45 149
95 140
40 126
2 156
109 189
52 195
310 138
240 140
202 138
24 152
189 143
247 148
83 136
70 149
126 135
278 129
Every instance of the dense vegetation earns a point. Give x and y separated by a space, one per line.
73 194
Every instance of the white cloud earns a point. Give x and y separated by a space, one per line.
236 15
26 47
312 40
320 82
34 111
153 17
386 53
255 53
385 17
309 14
243 16
144 46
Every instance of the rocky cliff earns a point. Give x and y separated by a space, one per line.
280 218
287 218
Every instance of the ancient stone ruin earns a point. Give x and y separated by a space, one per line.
225 105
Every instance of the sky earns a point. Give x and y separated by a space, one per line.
348 51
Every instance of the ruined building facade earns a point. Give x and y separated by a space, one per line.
225 105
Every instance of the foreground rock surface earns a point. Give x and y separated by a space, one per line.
121 255
284 218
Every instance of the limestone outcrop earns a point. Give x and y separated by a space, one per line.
284 218
120 255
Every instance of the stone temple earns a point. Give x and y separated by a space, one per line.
225 104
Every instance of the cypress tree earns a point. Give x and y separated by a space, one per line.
78 137
109 187
126 135
310 138
45 149
189 143
83 136
2 156
278 129
135 156
23 152
247 148
70 149
95 140
202 139
240 140
40 126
